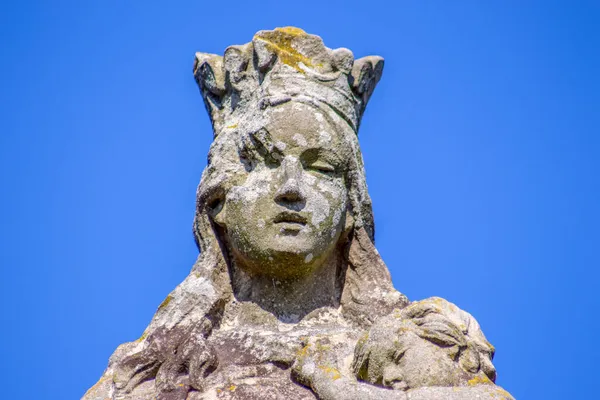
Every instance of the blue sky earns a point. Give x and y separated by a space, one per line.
481 146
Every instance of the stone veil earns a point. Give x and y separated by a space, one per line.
289 298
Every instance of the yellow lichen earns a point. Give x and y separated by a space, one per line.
332 372
292 30
303 351
280 41
322 348
141 337
440 303
363 339
232 388
165 302
232 126
503 393
478 380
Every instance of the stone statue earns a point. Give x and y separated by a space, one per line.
289 299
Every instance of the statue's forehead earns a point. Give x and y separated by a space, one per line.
296 112
304 125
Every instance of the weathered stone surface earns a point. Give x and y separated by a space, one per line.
289 298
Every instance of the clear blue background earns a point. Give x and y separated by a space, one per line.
481 146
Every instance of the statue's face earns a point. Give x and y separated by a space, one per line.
287 216
410 364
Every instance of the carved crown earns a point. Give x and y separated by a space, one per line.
279 66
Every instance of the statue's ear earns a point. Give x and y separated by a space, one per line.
216 210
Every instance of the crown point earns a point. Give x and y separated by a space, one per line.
281 41
292 30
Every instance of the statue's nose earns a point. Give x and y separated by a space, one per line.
290 194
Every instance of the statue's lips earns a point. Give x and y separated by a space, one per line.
290 218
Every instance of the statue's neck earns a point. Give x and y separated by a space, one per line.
290 299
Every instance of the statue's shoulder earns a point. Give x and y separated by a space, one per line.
491 392
177 331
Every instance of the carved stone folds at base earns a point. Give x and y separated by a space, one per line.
289 299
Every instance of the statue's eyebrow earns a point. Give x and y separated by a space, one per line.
333 155
314 154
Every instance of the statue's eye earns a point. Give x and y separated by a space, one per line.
322 167
321 161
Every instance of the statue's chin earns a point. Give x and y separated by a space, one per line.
285 257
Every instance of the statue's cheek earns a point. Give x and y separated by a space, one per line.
244 198
337 197
239 207
319 208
